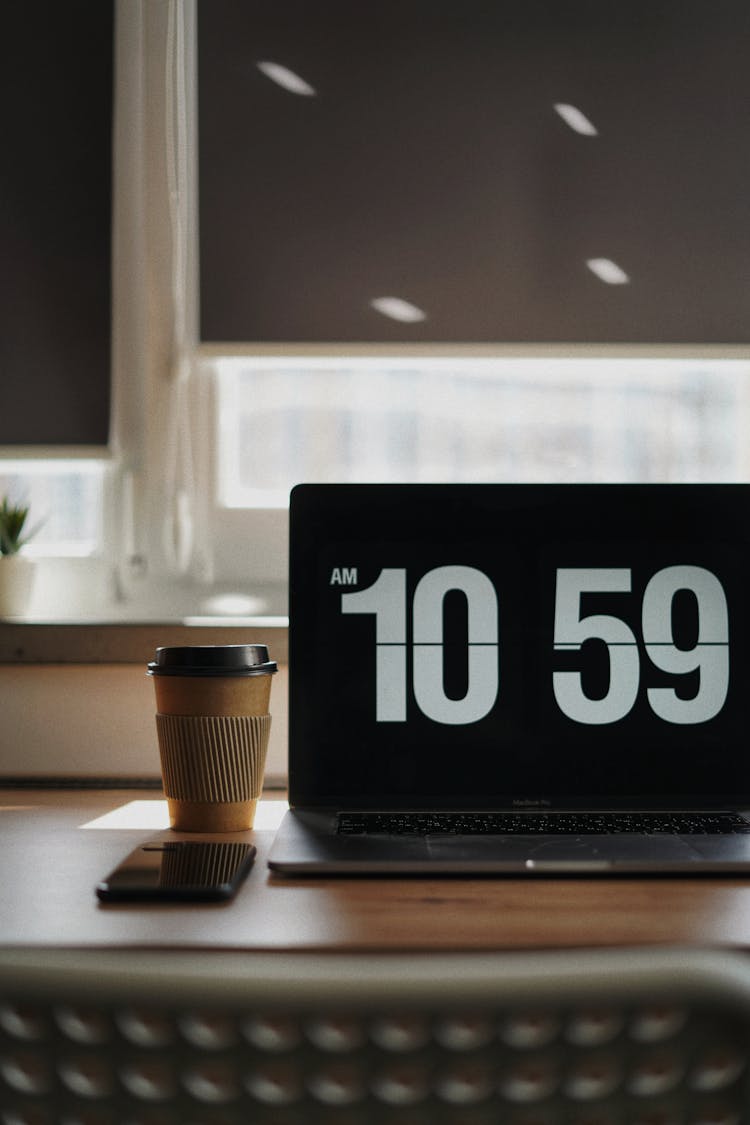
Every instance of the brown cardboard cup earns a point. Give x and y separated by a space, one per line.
212 722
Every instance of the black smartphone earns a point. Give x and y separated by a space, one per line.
179 871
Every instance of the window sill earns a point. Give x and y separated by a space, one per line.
74 617
33 641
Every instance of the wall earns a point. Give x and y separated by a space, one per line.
96 720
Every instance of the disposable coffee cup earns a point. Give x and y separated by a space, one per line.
212 723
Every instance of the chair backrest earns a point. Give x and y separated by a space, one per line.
203 1038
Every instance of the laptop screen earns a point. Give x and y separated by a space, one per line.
519 646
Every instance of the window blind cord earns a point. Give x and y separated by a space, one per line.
179 476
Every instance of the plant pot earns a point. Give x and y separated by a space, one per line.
16 584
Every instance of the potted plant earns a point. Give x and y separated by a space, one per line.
16 570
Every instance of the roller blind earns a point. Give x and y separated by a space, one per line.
55 216
534 171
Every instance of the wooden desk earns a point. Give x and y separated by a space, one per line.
56 845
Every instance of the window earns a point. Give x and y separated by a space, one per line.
436 241
475 420
55 318
66 501
473 241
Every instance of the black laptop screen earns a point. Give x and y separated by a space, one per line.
518 645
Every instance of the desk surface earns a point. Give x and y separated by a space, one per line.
56 845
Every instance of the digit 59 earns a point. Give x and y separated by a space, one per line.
710 656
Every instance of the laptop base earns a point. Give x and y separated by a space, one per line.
307 844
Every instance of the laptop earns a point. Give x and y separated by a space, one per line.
518 679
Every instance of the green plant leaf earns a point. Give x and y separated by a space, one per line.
12 521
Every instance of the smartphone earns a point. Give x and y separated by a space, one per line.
179 871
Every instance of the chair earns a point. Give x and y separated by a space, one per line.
146 1037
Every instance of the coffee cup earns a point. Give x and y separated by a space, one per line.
213 723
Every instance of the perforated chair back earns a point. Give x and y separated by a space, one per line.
572 1038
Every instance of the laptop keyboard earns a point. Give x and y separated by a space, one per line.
503 824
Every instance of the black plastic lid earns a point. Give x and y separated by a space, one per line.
212 660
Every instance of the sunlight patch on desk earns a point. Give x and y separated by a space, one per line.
269 813
154 814
133 814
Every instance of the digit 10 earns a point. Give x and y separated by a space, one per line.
387 600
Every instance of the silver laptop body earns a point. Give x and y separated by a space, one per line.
518 679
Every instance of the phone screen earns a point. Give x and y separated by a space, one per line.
179 870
